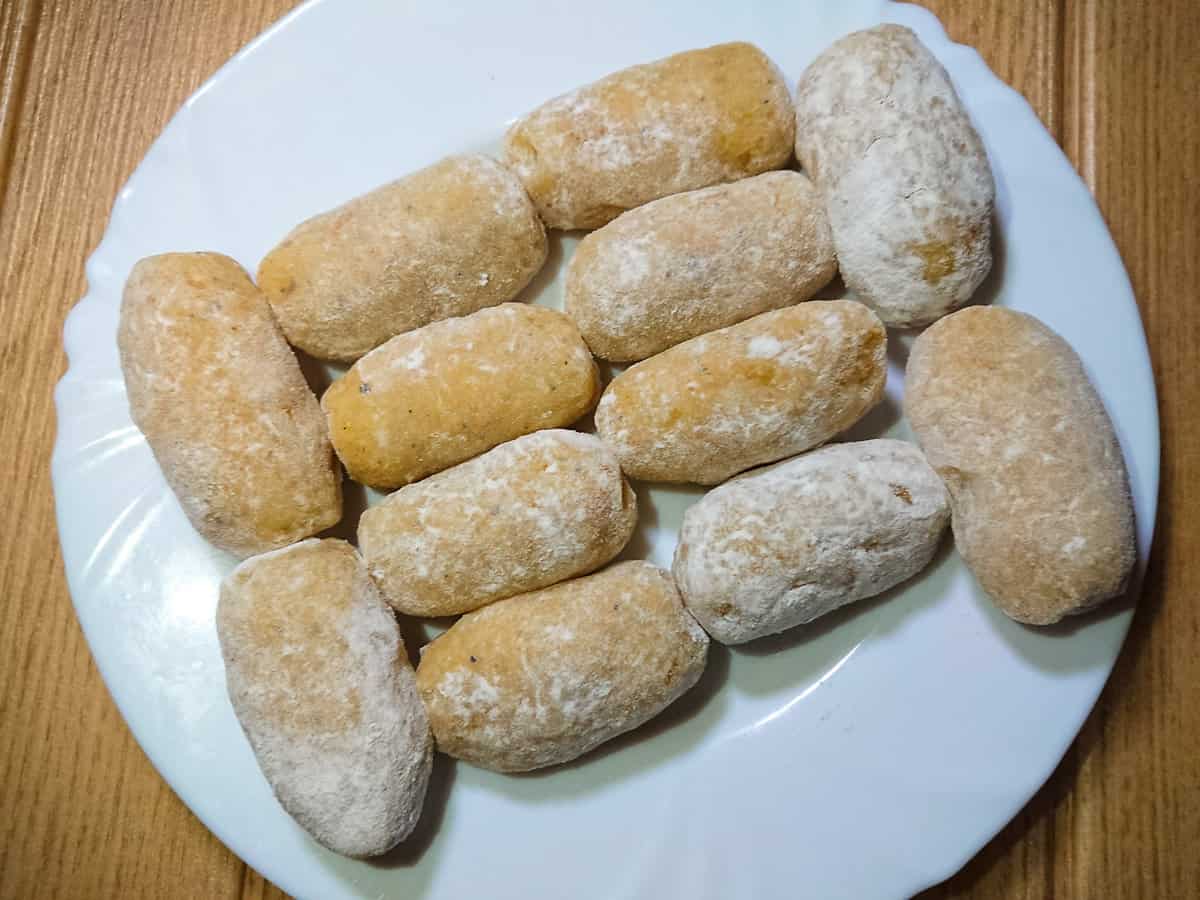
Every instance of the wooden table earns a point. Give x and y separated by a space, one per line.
86 86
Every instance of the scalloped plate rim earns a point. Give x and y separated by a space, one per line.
103 281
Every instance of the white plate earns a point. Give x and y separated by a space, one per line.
869 756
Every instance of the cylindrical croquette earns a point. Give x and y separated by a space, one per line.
431 398
752 393
544 677
223 404
534 511
691 263
690 120
445 241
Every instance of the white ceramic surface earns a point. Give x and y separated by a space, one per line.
868 756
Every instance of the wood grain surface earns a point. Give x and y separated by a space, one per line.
85 88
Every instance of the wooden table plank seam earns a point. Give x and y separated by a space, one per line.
18 32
